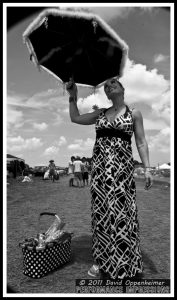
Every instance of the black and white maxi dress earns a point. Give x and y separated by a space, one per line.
115 227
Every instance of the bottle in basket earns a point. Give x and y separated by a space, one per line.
41 243
28 243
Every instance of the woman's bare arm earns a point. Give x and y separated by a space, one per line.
76 117
140 139
142 145
84 119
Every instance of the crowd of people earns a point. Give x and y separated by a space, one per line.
78 171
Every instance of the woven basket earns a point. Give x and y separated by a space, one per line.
38 263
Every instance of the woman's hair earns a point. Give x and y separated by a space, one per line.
121 85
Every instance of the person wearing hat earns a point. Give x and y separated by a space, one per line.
52 171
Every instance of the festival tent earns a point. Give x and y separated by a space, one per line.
12 158
14 168
164 167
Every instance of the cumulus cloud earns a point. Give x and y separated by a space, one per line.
15 99
18 143
54 149
51 99
160 58
161 141
51 151
141 86
81 145
15 118
47 101
149 9
62 141
42 99
40 126
57 120
108 13
63 110
153 124
66 110
99 99
162 108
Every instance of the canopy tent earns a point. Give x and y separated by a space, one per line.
12 158
164 167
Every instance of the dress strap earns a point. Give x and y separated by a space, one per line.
105 109
131 109
127 108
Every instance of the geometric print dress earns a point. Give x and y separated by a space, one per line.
115 227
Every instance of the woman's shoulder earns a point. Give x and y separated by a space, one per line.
136 113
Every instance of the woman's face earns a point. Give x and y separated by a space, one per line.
112 87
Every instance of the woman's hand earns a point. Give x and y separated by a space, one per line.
71 88
149 179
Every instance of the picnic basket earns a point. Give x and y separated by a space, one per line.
38 261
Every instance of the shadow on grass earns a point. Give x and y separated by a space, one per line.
149 263
81 253
11 290
81 249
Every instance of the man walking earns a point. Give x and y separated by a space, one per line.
78 171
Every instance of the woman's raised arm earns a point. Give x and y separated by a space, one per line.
85 119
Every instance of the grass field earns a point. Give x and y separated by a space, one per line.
25 201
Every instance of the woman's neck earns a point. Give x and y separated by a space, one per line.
118 103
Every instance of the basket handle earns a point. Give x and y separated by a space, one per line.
47 213
42 214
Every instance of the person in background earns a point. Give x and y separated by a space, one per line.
15 168
78 171
52 170
71 171
85 173
115 227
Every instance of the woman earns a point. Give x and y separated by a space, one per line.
115 227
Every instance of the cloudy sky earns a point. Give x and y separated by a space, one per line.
38 124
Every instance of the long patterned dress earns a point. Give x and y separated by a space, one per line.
115 227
